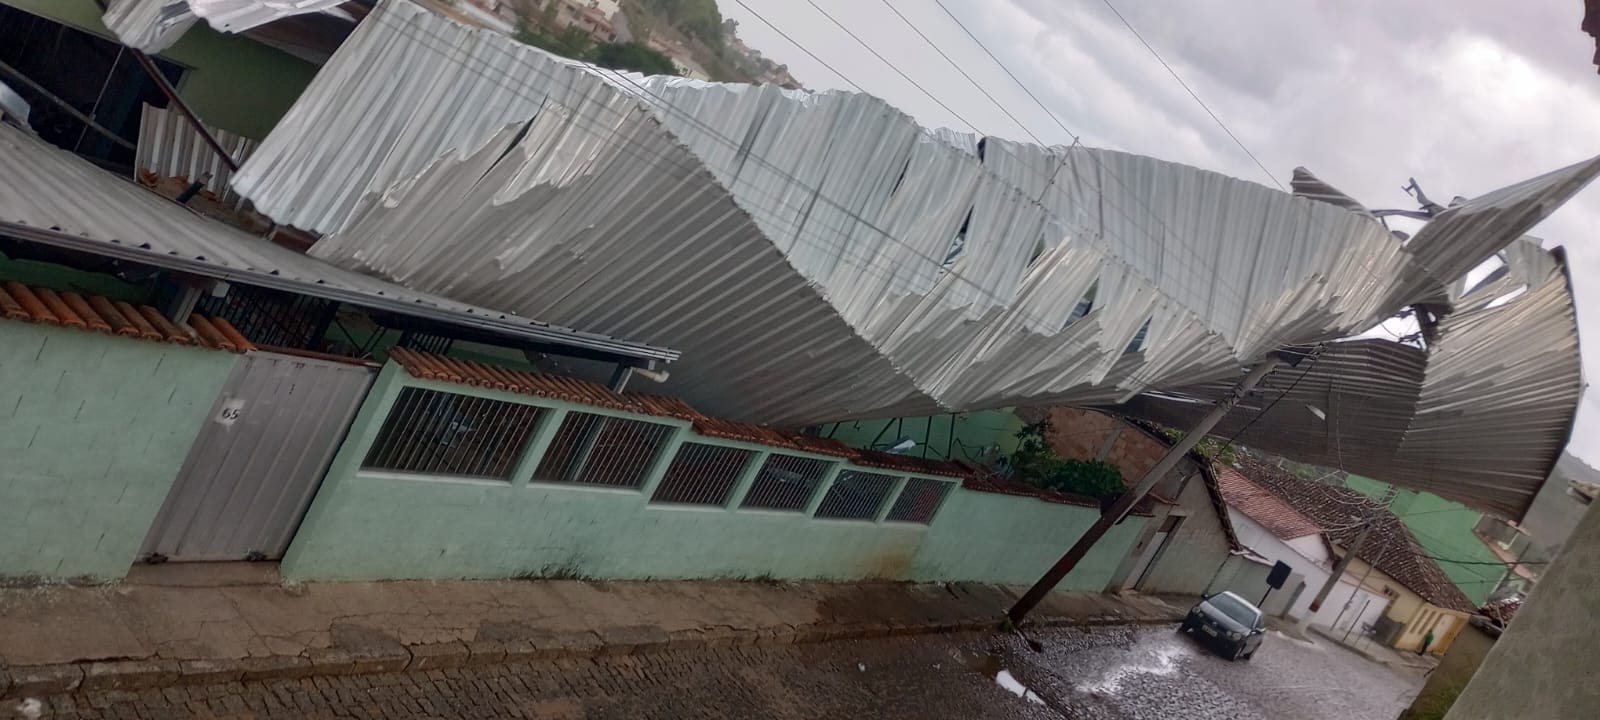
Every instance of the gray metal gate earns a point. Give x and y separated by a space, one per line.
258 460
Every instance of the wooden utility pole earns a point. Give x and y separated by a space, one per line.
1114 514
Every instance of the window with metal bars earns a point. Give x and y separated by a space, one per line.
856 495
702 474
594 449
920 500
439 433
786 482
273 317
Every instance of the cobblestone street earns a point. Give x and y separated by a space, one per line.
1108 673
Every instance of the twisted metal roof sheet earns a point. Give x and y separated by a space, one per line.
154 25
1480 418
822 257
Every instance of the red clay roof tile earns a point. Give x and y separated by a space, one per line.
99 314
1263 507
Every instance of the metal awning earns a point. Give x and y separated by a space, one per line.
50 196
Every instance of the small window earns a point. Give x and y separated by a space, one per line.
594 449
856 495
919 501
786 482
438 433
701 474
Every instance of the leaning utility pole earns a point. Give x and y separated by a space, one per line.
1118 509
1350 554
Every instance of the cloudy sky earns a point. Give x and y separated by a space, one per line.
1465 95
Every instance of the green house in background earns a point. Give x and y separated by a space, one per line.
1444 528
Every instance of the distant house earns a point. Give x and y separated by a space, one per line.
1277 531
589 18
1421 597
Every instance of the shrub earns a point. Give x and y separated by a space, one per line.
1036 464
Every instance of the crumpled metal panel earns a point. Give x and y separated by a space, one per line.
51 196
148 25
170 147
818 256
1479 418
154 25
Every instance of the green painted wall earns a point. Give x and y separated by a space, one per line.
974 432
93 430
230 82
1001 538
368 526
1444 528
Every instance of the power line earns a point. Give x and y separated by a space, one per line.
886 61
1193 94
797 44
961 70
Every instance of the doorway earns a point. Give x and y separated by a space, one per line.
258 461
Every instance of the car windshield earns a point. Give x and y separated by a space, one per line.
1233 607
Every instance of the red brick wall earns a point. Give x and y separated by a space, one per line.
1077 434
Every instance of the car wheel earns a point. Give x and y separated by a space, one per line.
1246 657
1183 627
1238 653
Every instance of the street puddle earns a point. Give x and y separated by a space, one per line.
1159 661
989 665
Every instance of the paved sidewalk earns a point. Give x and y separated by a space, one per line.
1378 653
216 623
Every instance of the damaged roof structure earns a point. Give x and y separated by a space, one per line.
821 256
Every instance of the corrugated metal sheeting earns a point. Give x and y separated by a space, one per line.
170 147
154 25
820 256
50 196
1479 418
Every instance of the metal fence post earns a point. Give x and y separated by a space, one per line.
823 487
663 460
747 478
891 498
537 445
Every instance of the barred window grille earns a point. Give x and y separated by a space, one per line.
786 482
594 449
273 317
440 433
702 474
856 495
920 500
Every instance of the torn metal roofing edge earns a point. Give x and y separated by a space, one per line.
50 196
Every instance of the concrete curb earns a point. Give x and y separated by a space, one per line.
86 677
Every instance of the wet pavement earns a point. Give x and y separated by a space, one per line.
1155 674
1111 673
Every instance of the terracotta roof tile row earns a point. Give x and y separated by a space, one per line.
1342 512
583 392
115 317
1260 505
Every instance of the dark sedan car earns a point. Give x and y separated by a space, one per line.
1227 623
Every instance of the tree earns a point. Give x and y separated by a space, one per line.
699 19
631 56
574 43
